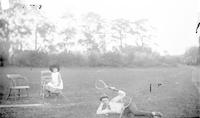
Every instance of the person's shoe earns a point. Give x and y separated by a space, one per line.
157 114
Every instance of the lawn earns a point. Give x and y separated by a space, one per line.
176 97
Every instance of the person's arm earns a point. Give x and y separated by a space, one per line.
197 27
119 97
100 109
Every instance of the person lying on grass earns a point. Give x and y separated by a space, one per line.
55 85
116 106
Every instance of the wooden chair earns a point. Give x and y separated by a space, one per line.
45 77
18 83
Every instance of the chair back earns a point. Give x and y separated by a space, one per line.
45 75
17 80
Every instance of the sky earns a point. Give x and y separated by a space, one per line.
175 20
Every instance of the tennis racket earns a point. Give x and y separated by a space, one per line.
127 101
100 84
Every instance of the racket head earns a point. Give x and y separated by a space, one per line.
100 84
127 101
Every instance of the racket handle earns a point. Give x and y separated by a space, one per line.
113 88
106 86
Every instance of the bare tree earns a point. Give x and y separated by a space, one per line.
69 34
93 31
141 30
45 30
122 28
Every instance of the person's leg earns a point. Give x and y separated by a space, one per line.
48 90
46 93
143 113
127 113
133 110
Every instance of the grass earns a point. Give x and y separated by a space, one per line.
176 97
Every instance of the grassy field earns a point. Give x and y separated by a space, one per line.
178 96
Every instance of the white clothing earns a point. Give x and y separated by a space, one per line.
56 81
115 105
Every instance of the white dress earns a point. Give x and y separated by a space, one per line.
56 81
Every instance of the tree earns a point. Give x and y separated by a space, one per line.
141 29
69 34
4 39
19 23
19 31
45 31
94 33
191 56
121 27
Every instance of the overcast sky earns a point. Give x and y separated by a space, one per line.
175 20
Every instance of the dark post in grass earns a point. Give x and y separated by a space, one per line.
198 58
1 61
150 87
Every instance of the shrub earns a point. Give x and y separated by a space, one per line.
191 56
128 57
31 58
111 59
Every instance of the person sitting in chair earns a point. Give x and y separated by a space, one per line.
117 106
55 85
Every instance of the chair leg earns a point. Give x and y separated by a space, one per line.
27 92
15 95
19 93
9 94
42 91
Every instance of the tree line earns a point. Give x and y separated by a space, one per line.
29 38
